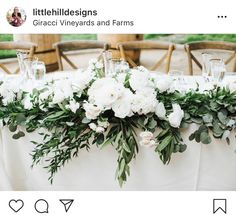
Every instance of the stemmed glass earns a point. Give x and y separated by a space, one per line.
21 56
107 55
206 67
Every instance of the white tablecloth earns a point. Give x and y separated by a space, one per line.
201 167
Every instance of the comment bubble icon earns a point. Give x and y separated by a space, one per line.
41 206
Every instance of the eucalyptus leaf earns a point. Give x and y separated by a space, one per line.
12 127
205 138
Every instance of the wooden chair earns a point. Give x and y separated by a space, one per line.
66 46
17 46
210 45
124 47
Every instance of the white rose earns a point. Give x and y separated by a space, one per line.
58 97
91 111
81 80
8 98
176 116
147 143
27 102
104 92
163 84
93 126
73 106
100 130
138 80
122 106
146 135
121 77
144 101
160 110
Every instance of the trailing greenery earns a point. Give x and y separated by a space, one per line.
66 132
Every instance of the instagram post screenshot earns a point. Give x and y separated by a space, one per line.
117 110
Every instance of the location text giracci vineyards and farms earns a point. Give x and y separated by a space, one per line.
74 23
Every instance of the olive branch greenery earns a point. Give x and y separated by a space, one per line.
66 133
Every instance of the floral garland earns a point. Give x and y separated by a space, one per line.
84 108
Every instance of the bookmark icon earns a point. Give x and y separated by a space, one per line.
219 205
67 203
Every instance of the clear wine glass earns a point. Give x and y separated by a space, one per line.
21 56
206 67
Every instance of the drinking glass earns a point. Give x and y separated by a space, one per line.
116 66
28 68
206 67
39 69
21 56
176 75
107 55
217 69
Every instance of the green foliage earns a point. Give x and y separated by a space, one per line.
66 133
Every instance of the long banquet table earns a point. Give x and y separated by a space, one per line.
201 167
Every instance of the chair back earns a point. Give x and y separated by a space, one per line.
124 47
27 47
219 46
66 46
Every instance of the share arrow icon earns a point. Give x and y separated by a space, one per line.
67 203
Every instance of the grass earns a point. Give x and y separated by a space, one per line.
178 38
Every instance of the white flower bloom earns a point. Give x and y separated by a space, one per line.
147 139
121 77
138 80
122 106
160 110
46 94
103 124
27 102
176 116
104 92
8 99
81 80
163 84
62 90
142 69
100 130
91 111
146 135
58 97
73 106
93 126
148 143
144 101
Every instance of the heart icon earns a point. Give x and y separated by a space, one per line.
16 205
